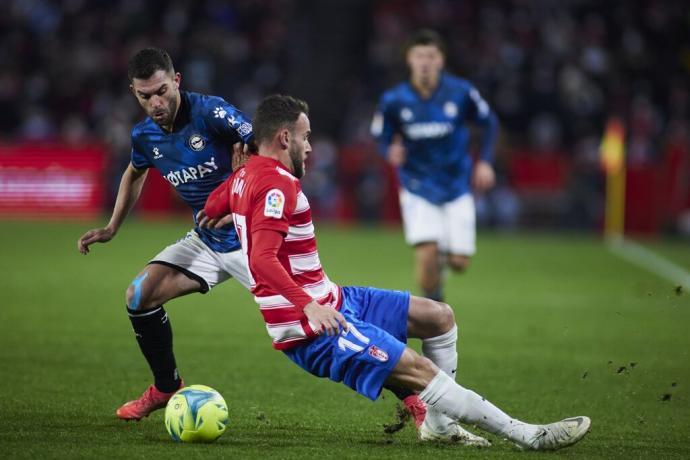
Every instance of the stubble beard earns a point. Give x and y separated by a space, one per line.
297 162
169 120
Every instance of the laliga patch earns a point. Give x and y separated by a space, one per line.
275 201
376 353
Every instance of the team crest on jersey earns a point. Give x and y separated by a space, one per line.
196 142
245 129
275 202
376 353
450 109
157 154
406 114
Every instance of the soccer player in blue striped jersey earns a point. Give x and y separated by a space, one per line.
190 139
422 128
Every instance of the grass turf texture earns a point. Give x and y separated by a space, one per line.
549 327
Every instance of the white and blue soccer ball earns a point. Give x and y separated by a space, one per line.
196 413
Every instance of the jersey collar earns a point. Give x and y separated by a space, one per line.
261 160
441 79
184 115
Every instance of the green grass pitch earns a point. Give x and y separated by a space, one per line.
550 326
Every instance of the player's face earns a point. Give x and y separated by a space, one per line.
300 148
425 62
159 96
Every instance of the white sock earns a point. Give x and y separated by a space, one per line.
466 406
442 350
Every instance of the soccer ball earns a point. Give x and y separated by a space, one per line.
196 413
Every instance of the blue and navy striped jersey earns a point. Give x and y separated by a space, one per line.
196 156
438 166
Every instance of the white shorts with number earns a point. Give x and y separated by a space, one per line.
192 257
451 225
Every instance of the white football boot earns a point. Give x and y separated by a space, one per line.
558 435
450 432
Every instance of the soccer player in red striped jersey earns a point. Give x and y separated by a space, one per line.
352 335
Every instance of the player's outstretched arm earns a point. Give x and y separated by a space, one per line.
127 195
483 176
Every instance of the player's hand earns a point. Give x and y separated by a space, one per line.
240 155
206 222
96 235
483 177
396 152
325 319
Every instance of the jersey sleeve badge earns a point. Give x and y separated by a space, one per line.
245 129
274 204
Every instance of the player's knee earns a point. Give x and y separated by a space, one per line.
459 263
137 295
446 316
429 318
413 371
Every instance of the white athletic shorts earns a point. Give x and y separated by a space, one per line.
451 225
192 257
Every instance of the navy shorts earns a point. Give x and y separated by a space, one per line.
363 357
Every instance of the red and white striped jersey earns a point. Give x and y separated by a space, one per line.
264 195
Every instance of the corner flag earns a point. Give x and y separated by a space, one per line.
612 152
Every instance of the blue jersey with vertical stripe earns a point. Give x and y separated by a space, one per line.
195 157
438 165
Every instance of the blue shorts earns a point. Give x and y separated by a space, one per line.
363 357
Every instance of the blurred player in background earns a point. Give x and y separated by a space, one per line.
421 127
189 138
351 334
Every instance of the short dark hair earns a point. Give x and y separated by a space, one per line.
276 112
425 37
147 62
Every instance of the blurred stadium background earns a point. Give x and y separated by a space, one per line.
543 307
554 71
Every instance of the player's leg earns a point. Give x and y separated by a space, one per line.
460 224
428 275
428 270
402 316
182 268
423 227
434 323
442 393
458 262
156 284
145 296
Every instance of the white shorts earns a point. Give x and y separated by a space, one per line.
192 257
450 225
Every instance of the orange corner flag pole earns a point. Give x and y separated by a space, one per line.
612 152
